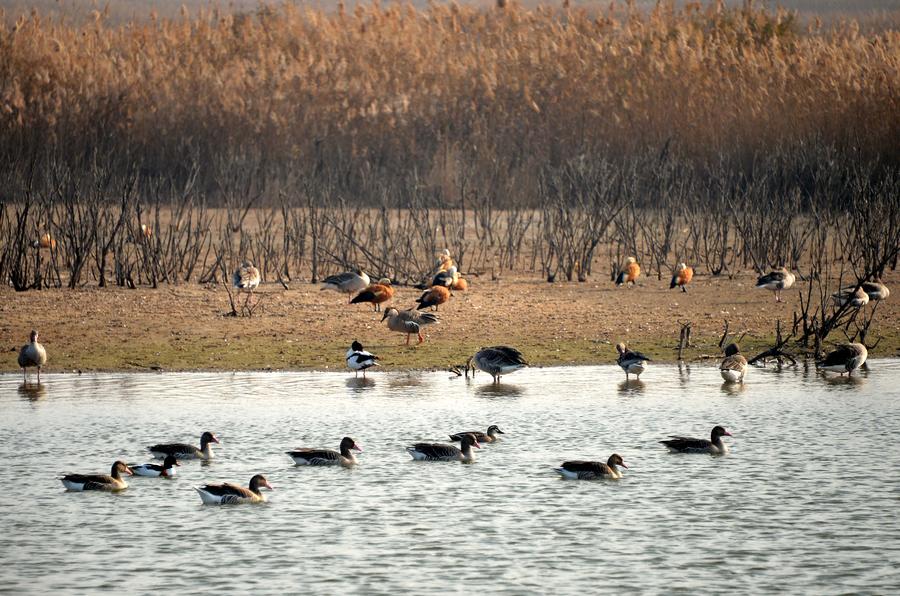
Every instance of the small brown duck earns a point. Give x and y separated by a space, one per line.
112 483
592 470
231 494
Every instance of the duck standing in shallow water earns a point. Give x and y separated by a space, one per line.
776 281
497 361
631 362
592 470
489 437
185 451
112 483
845 359
32 354
166 470
327 457
734 365
231 494
714 445
359 359
441 452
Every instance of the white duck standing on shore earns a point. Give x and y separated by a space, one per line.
32 354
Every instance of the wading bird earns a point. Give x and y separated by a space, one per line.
32 354
631 362
359 359
844 359
497 361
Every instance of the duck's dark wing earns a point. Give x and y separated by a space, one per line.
674 281
90 481
773 277
228 490
339 278
442 279
479 436
683 443
173 448
436 450
584 466
362 358
314 456
502 355
839 356
620 279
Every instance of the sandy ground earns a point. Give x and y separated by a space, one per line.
183 327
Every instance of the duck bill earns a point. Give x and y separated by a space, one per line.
129 471
216 440
384 316
477 445
268 486
358 448
623 465
728 434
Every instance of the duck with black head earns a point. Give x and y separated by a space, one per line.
185 451
327 457
592 470
715 445
441 452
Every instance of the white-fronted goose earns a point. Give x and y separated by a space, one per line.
682 277
359 359
32 354
433 297
497 361
776 281
857 298
166 470
631 362
489 437
231 494
376 294
347 282
185 451
408 322
629 273
592 470
446 278
734 365
326 457
845 358
246 277
876 289
714 445
113 482
441 452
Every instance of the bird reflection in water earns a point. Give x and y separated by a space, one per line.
631 387
853 380
730 388
358 385
32 391
498 390
684 373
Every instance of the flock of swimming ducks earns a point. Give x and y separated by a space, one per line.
496 361
232 494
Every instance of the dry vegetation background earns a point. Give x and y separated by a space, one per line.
549 141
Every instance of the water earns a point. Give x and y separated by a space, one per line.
806 502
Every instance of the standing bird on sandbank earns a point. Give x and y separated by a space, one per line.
347 282
682 277
497 361
376 294
433 297
734 365
32 354
246 278
631 362
408 322
359 359
844 359
629 273
776 281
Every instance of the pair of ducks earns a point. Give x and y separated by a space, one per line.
732 368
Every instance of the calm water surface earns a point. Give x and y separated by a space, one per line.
806 502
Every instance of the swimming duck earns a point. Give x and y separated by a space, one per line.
326 457
876 289
434 297
112 483
408 322
682 277
714 445
497 361
857 298
844 359
185 451
629 273
734 365
376 294
441 452
32 354
592 470
166 470
230 494
359 359
776 281
489 437
348 282
631 362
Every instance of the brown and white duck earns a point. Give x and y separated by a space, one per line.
714 445
231 494
857 298
166 470
408 322
489 437
327 457
876 289
844 359
441 452
776 281
32 354
734 365
347 282
592 470
497 361
630 361
185 451
112 483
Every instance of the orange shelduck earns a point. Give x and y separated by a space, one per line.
630 273
146 232
47 241
435 296
682 277
460 285
376 293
